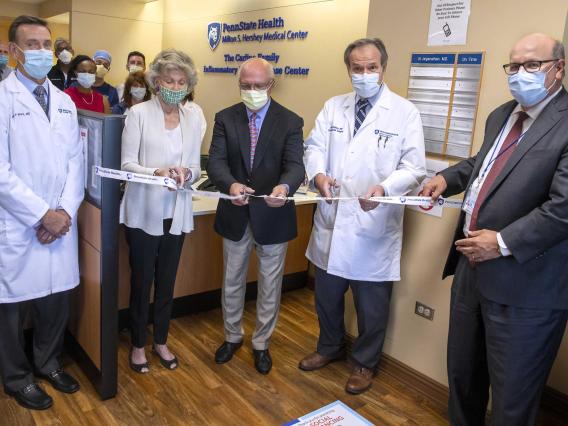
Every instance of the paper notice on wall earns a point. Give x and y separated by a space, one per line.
336 414
432 167
84 137
448 22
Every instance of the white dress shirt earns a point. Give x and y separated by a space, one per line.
533 114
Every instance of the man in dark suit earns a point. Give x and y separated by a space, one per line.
509 300
257 148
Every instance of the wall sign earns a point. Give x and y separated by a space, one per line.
448 22
445 89
259 31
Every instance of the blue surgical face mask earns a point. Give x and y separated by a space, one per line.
38 62
528 88
366 85
3 61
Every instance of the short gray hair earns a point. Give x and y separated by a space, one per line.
59 41
558 50
377 42
172 59
263 61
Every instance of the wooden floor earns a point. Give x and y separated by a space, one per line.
203 393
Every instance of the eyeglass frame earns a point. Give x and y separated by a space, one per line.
526 62
268 86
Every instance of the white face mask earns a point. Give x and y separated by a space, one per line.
366 85
254 99
138 93
65 56
85 79
134 68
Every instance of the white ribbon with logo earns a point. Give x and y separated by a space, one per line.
171 183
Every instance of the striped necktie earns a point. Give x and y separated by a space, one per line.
39 94
253 137
362 105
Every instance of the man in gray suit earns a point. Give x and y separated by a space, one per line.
509 302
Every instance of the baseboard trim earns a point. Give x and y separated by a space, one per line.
555 401
436 392
552 400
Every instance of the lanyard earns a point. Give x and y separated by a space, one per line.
492 159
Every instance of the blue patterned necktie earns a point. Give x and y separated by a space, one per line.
39 94
362 105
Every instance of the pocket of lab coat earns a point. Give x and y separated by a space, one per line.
370 224
325 214
385 156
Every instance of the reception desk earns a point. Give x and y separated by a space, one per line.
201 265
198 283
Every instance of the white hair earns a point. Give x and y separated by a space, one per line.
172 59
267 65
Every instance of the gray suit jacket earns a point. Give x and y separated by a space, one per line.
528 205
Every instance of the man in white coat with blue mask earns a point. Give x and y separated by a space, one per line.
41 188
365 143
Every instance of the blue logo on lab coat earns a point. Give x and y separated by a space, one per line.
214 34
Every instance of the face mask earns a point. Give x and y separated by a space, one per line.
172 97
3 61
138 93
254 99
85 79
65 57
366 85
134 68
528 87
38 62
101 71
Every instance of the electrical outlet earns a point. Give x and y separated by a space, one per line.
424 311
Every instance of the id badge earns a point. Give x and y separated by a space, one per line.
471 197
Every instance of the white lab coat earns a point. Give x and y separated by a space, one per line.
41 168
347 241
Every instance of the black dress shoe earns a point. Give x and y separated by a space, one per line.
61 381
226 352
32 397
262 361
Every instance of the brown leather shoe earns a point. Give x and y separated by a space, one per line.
360 380
315 361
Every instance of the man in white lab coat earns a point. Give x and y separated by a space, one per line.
41 188
365 143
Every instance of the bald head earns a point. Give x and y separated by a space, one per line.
256 71
547 51
537 46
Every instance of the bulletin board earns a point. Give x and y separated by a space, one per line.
445 88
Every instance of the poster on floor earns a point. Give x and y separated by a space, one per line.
448 22
336 414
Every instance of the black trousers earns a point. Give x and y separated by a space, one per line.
49 316
510 348
152 259
372 303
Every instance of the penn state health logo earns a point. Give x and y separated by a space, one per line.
214 34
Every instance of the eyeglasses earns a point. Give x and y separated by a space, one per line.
256 87
529 66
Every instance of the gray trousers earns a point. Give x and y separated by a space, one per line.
372 303
271 259
49 316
